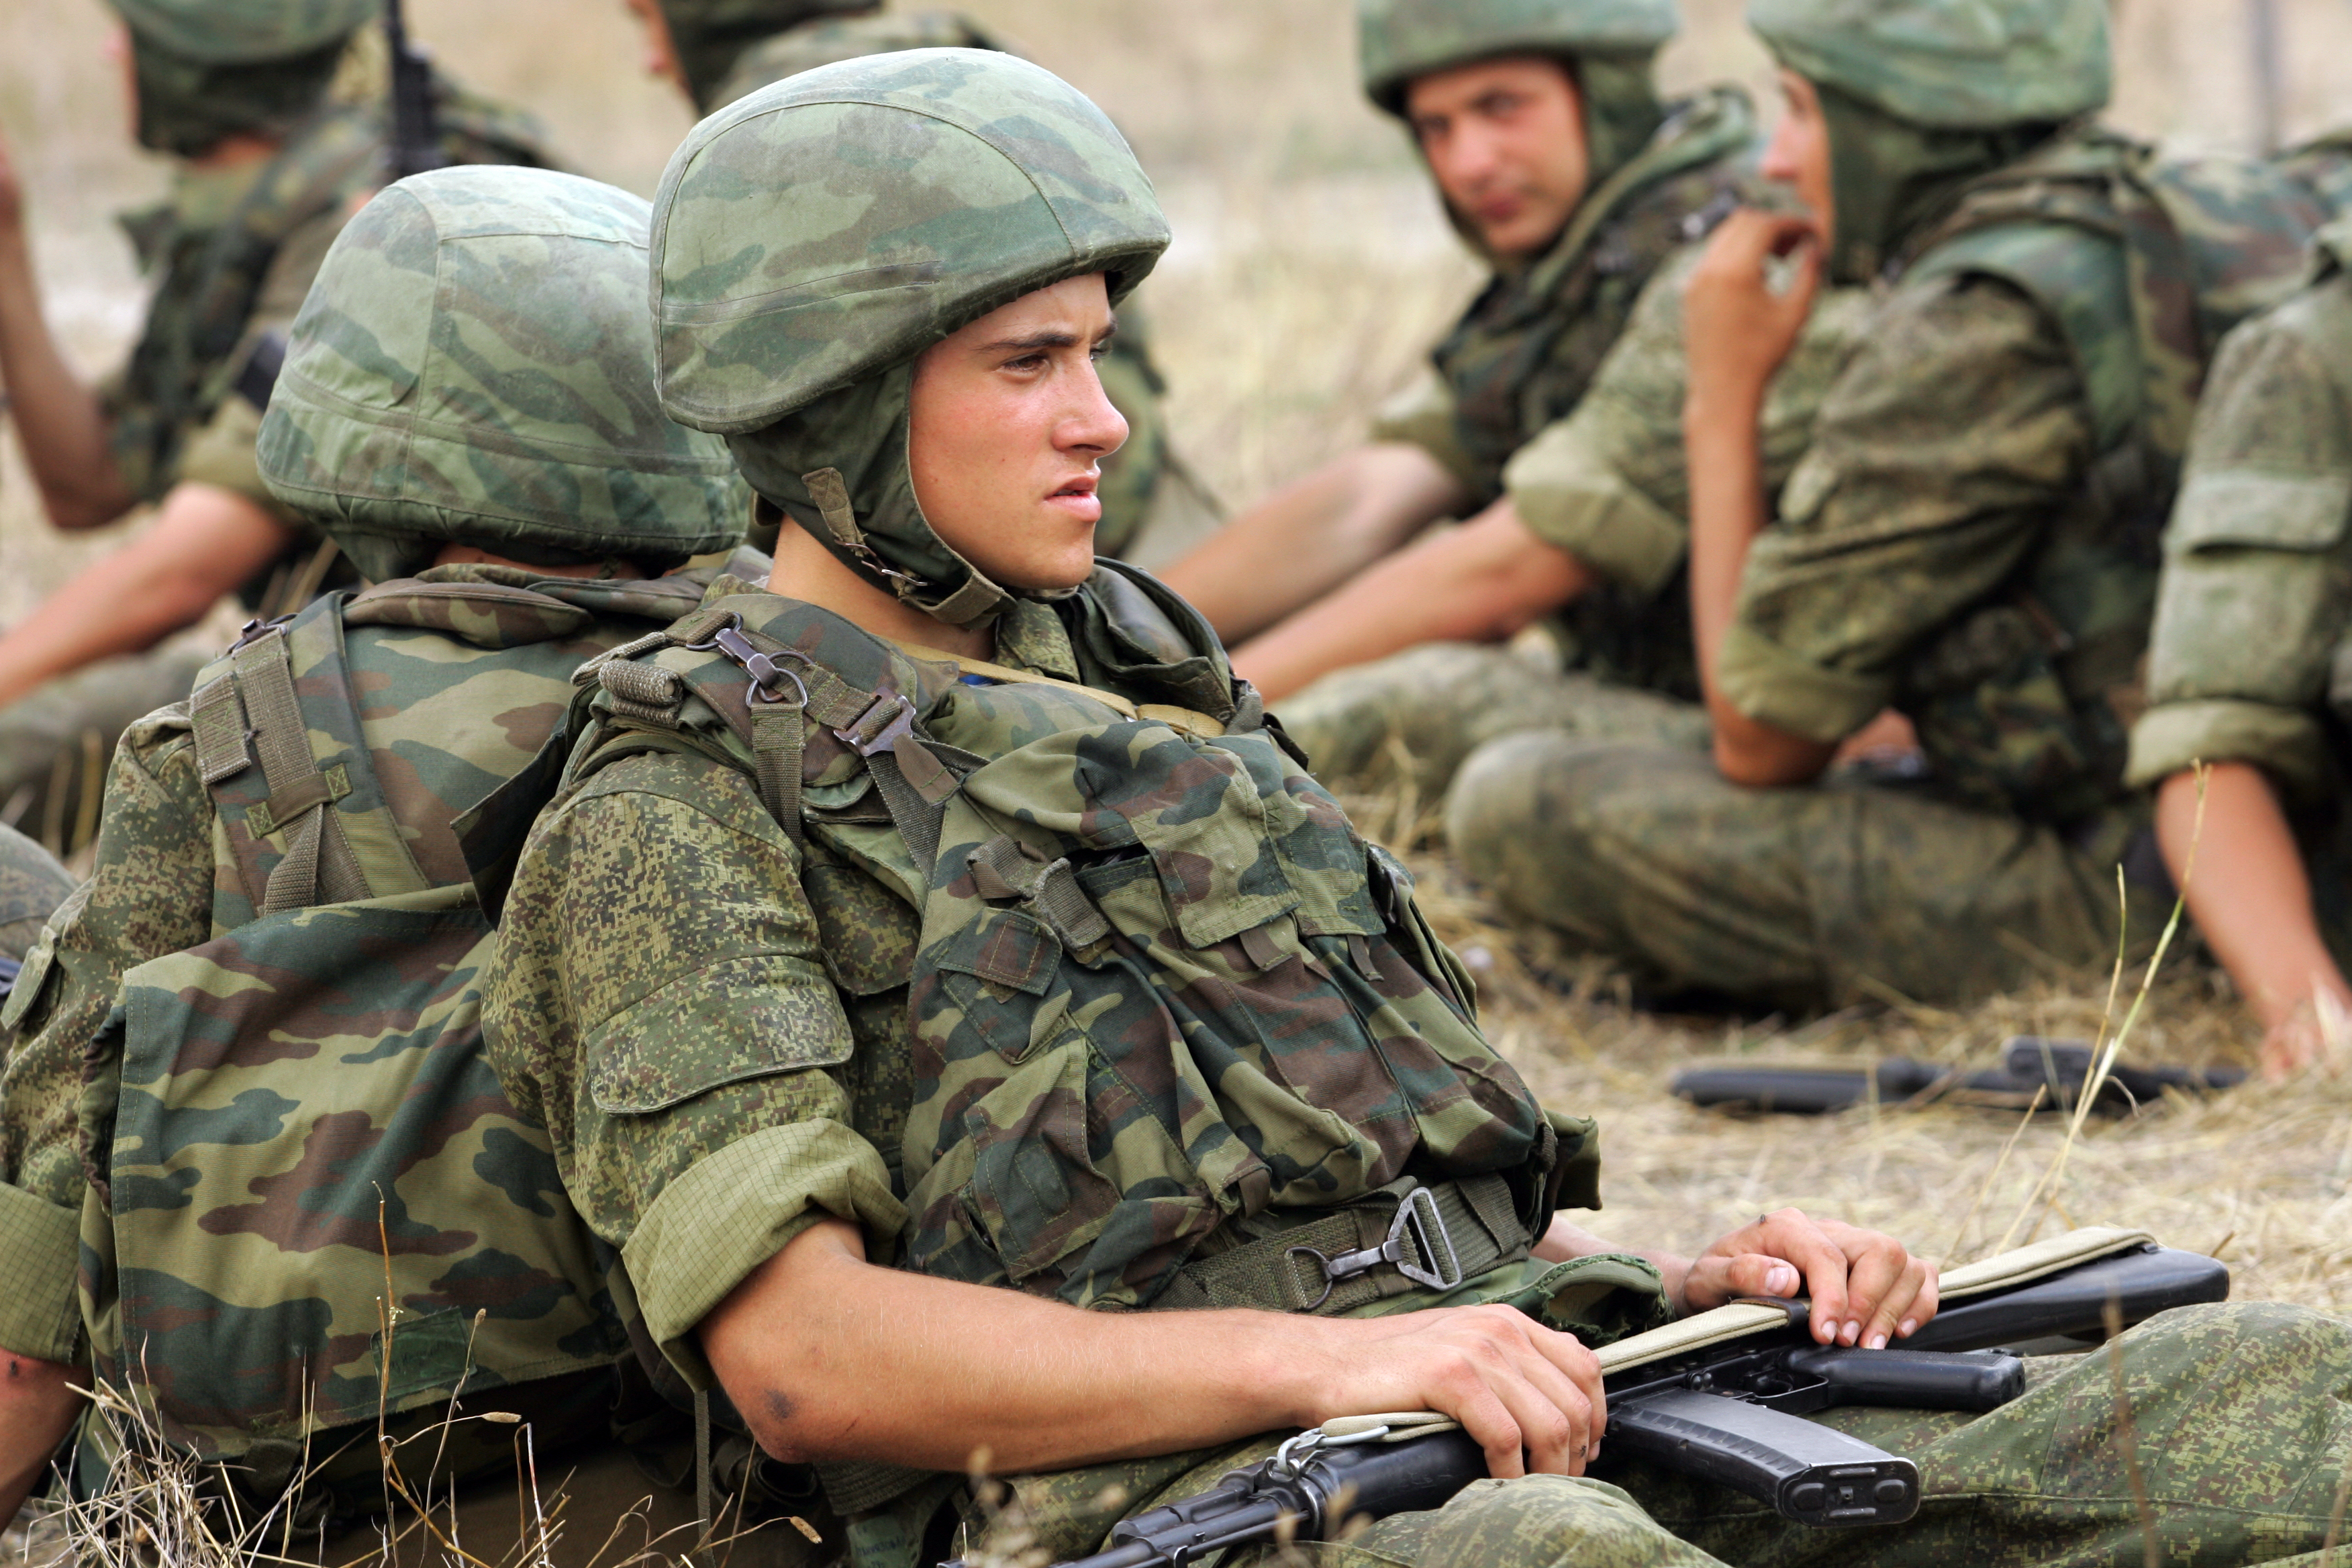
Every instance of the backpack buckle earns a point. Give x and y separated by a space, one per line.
767 677
1417 1216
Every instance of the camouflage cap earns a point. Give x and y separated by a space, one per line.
244 32
1950 64
473 364
1400 39
842 221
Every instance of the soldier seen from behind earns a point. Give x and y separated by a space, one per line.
982 1044
283 923
2249 668
1972 538
1153 504
273 113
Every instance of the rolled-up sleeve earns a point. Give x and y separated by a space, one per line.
1955 434
660 997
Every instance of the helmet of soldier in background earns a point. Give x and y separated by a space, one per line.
474 365
210 68
1609 46
708 35
1921 94
812 239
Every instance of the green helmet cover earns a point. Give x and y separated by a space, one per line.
1956 65
209 69
1608 44
474 365
812 239
823 43
244 32
708 35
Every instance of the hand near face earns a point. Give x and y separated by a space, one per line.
1865 1288
1739 326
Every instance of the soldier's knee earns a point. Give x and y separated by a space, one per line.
1541 1521
1496 806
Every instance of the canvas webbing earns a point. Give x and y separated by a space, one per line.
1002 869
1281 1273
218 720
1167 713
317 860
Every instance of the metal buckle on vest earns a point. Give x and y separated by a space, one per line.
767 677
1418 1214
256 629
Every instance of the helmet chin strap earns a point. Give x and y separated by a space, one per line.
977 602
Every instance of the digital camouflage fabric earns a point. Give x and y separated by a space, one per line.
1610 486
438 392
1952 64
2253 611
789 306
709 37
1527 348
1972 538
32 886
288 1114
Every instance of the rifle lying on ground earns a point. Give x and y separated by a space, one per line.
1720 1395
2058 1068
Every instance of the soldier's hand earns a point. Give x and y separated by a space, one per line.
1512 1384
1738 324
1866 1287
12 191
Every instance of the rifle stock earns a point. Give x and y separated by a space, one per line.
413 137
1730 1412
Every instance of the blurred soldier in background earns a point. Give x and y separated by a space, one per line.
2250 667
1972 536
1154 506
32 885
273 109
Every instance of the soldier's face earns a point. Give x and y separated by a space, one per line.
1505 140
661 50
1798 154
1006 426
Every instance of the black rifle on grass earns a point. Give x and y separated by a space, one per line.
415 134
2058 1069
1731 1412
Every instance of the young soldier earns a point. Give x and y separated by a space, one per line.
718 50
936 944
1972 536
1564 173
467 410
2247 670
270 165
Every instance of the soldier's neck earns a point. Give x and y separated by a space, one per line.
808 571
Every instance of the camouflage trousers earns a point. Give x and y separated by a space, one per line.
2235 1421
55 742
1413 717
1804 898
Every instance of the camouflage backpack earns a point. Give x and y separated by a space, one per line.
2142 263
1160 989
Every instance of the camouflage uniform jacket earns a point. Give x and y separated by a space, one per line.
2250 659
232 254
450 683
737 1020
1529 346
1972 536
32 885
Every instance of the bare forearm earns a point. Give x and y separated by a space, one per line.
38 1408
58 421
2247 890
1311 535
1728 511
204 544
1480 582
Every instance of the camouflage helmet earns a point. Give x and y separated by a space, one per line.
1969 65
708 35
244 32
473 364
812 239
1400 39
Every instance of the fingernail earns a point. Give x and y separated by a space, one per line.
1781 1281
1852 1332
1908 1327
1878 1341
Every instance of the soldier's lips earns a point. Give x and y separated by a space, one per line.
1078 502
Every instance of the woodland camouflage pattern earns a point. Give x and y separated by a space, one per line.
269 1078
1399 39
1970 65
32 886
2254 607
246 32
830 39
710 36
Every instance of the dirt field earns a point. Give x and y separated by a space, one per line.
1311 269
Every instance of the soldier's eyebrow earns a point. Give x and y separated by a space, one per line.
1032 341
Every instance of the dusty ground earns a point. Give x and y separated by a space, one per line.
1311 270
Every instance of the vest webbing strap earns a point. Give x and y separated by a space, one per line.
317 858
1479 1227
1167 713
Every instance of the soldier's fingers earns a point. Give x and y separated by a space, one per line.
1569 1375
1792 1235
1554 1418
1895 1305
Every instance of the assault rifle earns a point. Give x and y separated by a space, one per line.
1730 1412
414 135
2056 1069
